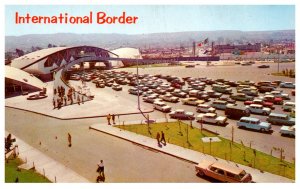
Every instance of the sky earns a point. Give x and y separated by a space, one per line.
158 18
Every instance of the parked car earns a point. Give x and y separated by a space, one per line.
181 114
287 85
223 172
220 104
179 93
227 99
258 109
202 96
212 118
279 94
169 98
193 93
253 123
222 89
249 91
134 91
241 97
116 87
288 130
192 101
213 94
204 108
151 99
273 99
288 106
280 119
261 102
236 112
263 89
161 106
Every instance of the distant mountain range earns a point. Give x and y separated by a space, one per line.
176 39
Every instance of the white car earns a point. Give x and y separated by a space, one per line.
192 101
288 106
169 98
212 118
279 94
204 108
287 85
151 99
161 106
258 109
288 130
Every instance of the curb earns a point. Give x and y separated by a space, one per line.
154 149
87 117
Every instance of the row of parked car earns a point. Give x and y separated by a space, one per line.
155 90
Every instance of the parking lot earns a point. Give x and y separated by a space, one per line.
262 141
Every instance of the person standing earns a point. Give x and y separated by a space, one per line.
70 139
108 119
53 103
158 138
163 138
113 118
101 168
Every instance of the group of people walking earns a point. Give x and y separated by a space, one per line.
112 118
62 99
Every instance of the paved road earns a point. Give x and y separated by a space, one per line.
124 161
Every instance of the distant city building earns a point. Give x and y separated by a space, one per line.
218 49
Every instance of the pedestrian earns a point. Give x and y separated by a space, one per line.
53 103
163 138
158 138
108 118
82 99
65 99
113 118
70 139
78 99
101 168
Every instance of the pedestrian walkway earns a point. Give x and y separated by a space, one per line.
53 170
183 153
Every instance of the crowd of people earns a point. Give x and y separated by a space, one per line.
61 98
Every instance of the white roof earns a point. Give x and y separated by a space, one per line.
22 76
29 58
127 53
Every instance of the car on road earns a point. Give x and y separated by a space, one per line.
204 108
261 102
253 123
223 172
212 118
161 106
288 106
258 109
192 101
280 119
263 66
236 112
117 87
241 97
182 114
288 130
169 98
287 85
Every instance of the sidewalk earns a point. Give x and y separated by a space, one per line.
54 171
183 153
